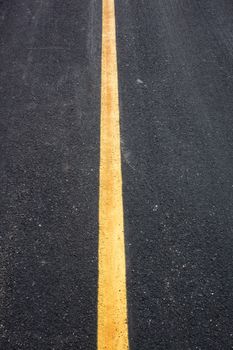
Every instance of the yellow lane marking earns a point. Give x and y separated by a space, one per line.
112 302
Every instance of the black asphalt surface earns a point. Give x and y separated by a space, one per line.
176 101
50 78
176 95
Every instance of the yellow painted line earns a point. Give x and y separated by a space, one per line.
112 302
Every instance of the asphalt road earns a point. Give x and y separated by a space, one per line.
175 61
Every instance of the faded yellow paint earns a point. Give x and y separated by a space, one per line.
112 301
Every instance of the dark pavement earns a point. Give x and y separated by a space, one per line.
176 100
176 95
50 78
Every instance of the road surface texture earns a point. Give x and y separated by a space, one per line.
175 68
